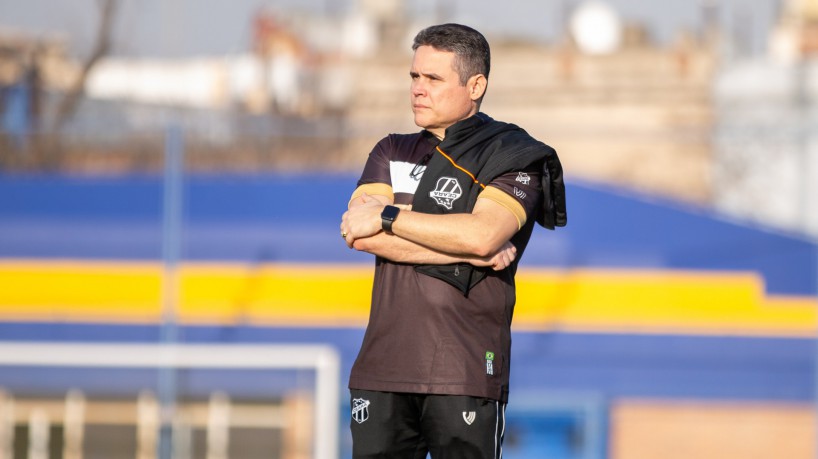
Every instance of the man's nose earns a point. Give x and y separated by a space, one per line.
418 88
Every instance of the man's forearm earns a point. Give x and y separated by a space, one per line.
480 235
459 234
400 250
397 249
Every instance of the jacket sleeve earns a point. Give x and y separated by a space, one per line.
553 212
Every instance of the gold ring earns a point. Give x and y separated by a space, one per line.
344 234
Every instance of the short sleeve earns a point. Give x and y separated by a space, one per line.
520 192
376 178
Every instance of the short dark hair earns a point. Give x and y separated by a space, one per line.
472 55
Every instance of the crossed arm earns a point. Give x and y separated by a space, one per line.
480 238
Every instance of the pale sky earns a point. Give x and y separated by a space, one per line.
154 28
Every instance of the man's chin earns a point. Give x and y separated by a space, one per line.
422 122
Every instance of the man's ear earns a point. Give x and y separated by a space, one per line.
477 86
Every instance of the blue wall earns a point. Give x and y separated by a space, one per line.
295 218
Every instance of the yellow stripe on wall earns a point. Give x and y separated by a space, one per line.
338 295
70 290
285 294
658 302
221 293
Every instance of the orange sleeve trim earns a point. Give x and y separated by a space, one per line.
380 189
506 200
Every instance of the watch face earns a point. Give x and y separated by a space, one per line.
390 212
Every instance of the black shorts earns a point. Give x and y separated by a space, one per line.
397 425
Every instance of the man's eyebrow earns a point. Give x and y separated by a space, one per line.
433 76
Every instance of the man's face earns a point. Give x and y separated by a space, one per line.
438 98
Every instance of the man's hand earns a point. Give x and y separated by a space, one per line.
363 220
500 260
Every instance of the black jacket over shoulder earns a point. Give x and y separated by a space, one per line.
480 149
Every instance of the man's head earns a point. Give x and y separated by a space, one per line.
472 55
449 75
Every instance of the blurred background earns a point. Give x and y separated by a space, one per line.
174 172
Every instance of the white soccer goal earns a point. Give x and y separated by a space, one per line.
320 359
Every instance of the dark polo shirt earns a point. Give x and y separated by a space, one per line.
423 335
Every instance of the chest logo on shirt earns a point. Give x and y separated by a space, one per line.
446 192
360 410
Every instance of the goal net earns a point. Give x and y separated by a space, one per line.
163 401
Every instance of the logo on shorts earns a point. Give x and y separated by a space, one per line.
360 410
469 416
446 191
519 193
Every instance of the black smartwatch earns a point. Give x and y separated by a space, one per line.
389 214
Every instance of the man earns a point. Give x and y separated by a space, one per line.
447 212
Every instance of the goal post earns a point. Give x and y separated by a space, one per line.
322 359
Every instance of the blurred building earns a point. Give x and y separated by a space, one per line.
631 112
766 154
284 72
621 108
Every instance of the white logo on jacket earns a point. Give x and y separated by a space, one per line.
469 417
446 192
523 178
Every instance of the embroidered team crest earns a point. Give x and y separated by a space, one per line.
360 410
446 192
523 178
469 417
